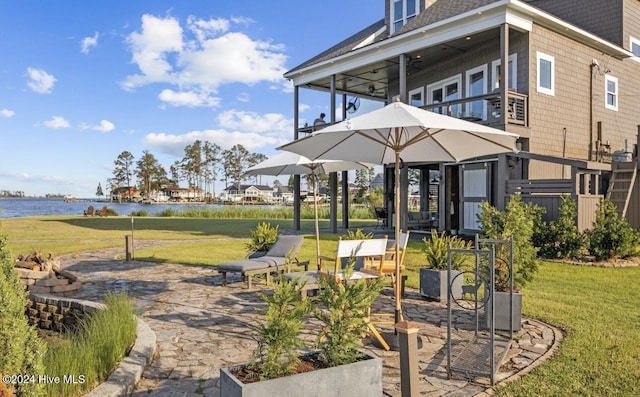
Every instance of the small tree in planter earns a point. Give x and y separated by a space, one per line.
433 278
279 345
517 221
278 337
345 315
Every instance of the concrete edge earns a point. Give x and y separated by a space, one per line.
123 379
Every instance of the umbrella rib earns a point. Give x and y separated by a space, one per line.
488 140
425 134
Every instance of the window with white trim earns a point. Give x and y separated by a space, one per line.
416 97
611 92
546 73
476 84
402 11
496 72
443 91
634 46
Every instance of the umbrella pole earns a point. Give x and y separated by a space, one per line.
398 313
315 210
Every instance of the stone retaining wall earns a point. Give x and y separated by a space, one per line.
57 313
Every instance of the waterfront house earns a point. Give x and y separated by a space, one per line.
249 193
570 89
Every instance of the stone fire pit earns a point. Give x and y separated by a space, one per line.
44 275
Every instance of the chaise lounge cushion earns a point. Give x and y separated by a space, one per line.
273 261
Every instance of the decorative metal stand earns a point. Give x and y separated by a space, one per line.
476 349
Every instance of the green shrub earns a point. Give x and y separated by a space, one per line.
611 236
21 350
436 250
518 221
278 336
344 316
262 237
560 238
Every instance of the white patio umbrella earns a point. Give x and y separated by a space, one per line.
384 135
287 163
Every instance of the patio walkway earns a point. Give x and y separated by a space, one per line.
202 327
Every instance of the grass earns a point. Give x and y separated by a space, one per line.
92 351
596 307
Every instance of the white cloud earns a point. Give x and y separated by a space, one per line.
201 57
105 126
248 129
40 81
188 98
6 113
89 42
56 123
243 97
270 123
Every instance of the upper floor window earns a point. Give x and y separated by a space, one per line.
402 11
611 92
444 91
546 74
634 45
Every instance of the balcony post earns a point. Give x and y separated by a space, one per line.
504 81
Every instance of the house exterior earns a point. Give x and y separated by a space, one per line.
127 193
570 91
249 193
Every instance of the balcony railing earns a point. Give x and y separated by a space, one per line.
483 109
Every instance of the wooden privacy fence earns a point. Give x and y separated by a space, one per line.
547 193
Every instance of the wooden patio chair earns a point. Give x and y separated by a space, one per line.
387 266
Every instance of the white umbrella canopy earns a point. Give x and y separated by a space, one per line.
287 163
400 130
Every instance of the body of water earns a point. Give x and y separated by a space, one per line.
13 208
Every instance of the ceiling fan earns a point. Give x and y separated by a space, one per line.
353 104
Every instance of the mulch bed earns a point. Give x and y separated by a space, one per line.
615 262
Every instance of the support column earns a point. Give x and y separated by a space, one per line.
345 178
404 196
296 178
504 81
402 78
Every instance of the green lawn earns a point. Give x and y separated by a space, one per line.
597 308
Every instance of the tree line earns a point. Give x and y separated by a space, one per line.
203 164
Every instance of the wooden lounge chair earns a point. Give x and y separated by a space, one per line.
274 261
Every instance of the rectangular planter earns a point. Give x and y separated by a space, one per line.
433 284
362 378
502 311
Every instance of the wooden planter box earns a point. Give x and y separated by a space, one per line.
362 378
433 284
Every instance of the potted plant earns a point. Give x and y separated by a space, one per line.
515 222
433 278
279 368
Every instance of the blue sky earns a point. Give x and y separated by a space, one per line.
82 81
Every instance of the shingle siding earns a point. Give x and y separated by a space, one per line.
569 107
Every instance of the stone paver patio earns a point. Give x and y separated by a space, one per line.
202 327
